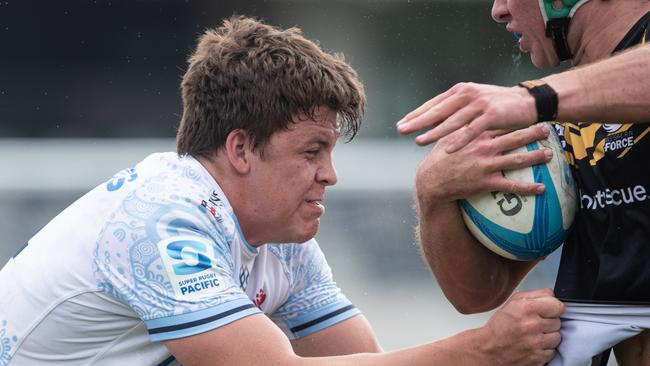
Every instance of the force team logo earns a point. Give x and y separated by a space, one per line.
190 264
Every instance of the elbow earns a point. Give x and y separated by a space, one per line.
474 302
475 308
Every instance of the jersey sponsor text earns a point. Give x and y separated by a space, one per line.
614 197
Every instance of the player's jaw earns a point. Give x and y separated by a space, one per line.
309 213
540 48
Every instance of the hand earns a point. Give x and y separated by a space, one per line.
466 110
526 329
443 177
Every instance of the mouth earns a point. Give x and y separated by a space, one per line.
317 204
519 38
512 30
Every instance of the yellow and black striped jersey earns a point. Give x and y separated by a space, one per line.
606 256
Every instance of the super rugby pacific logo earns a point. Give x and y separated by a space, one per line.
190 264
191 255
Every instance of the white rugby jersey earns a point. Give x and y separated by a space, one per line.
154 254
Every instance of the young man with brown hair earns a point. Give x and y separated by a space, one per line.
206 256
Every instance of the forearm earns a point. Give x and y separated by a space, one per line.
471 347
615 89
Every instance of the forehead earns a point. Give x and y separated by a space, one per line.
323 123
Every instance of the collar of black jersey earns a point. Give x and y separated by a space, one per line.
635 34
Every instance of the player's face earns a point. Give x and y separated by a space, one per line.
525 17
290 179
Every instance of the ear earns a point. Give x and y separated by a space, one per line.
238 150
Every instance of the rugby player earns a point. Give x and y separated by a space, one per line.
602 108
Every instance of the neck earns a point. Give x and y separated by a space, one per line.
598 26
233 187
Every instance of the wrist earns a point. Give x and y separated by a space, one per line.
486 346
482 340
546 99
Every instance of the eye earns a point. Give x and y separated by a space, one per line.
312 152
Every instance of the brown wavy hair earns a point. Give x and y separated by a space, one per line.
255 77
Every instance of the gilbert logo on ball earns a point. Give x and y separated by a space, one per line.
526 227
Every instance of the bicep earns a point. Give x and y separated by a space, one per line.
353 335
253 340
471 276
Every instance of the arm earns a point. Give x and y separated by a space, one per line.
353 335
472 277
524 332
613 89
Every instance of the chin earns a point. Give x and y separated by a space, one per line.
544 60
309 233
545 64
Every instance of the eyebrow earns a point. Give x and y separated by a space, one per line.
320 141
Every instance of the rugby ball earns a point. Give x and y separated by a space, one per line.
526 227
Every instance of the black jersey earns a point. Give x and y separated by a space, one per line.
606 257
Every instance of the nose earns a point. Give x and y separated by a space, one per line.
500 12
326 174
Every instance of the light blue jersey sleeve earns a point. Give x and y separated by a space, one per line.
315 301
168 258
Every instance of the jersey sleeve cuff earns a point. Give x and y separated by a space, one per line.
189 324
313 322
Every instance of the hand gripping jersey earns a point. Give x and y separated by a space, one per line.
606 257
154 254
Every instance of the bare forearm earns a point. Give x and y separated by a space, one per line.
467 348
615 89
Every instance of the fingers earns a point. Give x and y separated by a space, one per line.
457 121
415 120
547 307
551 325
463 136
519 160
448 111
497 132
515 139
502 184
546 355
533 294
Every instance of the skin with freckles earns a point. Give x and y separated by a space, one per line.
278 193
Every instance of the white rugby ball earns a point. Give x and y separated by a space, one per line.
526 227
